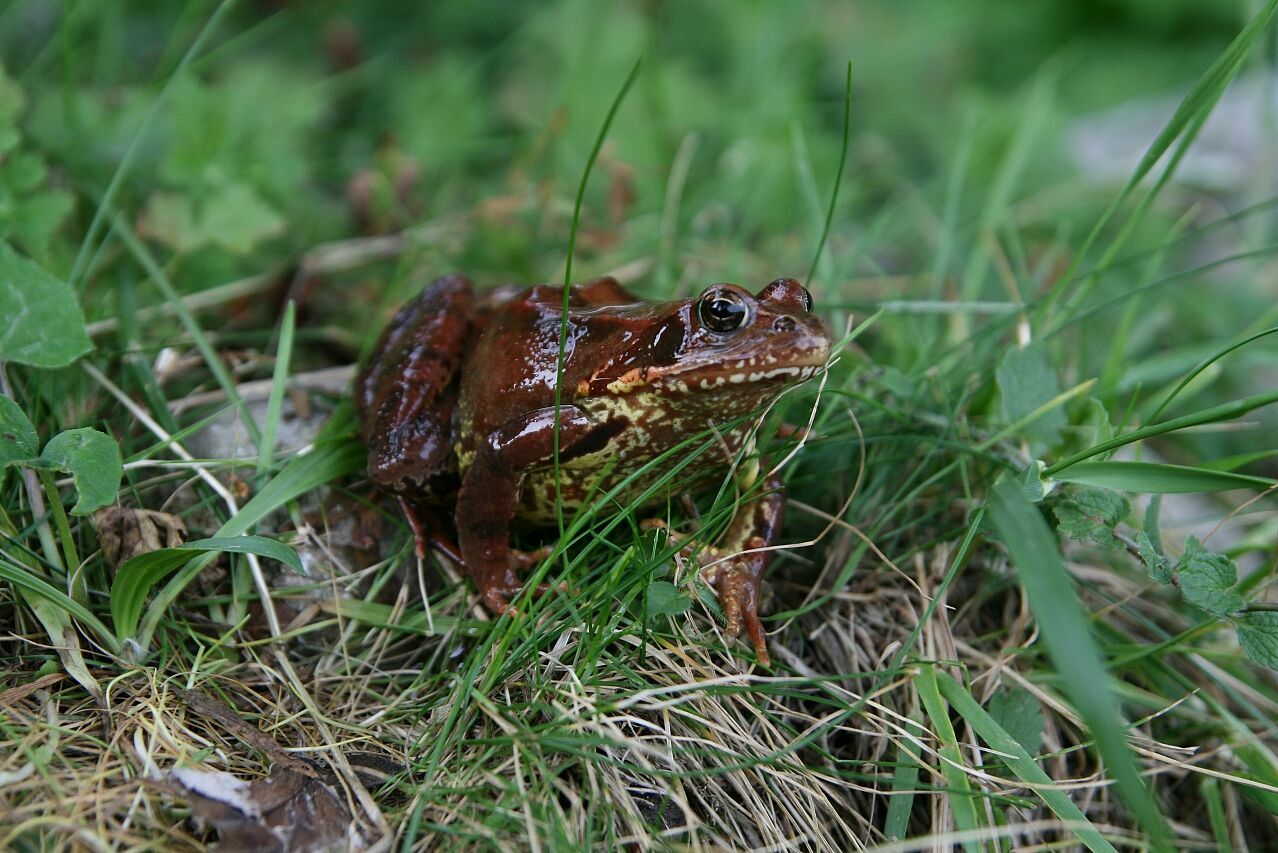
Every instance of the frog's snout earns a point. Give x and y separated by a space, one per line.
783 324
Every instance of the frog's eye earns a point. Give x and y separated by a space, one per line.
807 301
723 310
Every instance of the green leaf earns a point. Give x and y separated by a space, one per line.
1152 478
137 576
169 218
1020 715
237 219
1036 486
18 439
1026 381
665 599
1090 515
38 217
1159 565
44 326
62 635
92 458
1258 636
1206 579
1065 631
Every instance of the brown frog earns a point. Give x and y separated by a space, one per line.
457 407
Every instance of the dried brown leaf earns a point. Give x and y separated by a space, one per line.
125 532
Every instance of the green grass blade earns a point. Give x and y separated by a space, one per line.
962 800
1067 635
25 580
200 340
838 175
1020 761
1154 478
1192 111
333 456
1223 412
572 247
1206 363
905 780
279 381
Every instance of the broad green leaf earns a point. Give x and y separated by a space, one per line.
18 439
44 326
37 217
1020 715
665 599
1090 515
92 458
1026 381
1153 478
1258 635
137 576
1065 630
1206 579
1021 762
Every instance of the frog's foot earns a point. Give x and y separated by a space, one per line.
735 574
498 588
736 580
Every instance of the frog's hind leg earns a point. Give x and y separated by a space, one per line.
407 391
429 531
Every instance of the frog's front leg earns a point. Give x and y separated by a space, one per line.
739 560
734 566
489 494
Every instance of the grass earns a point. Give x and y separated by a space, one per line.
991 626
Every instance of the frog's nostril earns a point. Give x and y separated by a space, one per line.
783 324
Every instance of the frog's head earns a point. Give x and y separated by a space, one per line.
726 347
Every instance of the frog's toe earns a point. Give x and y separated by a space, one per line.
737 584
522 561
497 600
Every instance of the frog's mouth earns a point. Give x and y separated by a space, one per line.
709 375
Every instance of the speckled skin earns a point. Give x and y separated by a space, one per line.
457 407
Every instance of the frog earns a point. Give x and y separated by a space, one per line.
469 409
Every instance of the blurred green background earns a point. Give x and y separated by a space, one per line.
302 123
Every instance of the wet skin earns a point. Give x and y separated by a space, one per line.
457 407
